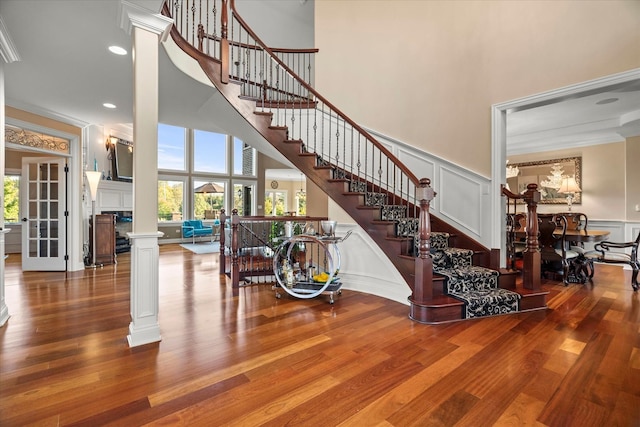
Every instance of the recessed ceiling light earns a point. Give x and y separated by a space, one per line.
109 105
607 101
117 50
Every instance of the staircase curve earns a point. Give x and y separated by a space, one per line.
271 89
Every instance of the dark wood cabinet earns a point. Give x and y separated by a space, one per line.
105 243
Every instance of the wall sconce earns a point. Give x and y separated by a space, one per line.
110 142
570 188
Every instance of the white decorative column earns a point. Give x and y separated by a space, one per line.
8 54
147 29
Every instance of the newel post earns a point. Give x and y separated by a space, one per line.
423 284
223 224
235 265
531 255
224 43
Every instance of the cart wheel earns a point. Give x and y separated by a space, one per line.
278 296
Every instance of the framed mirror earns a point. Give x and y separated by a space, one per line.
548 174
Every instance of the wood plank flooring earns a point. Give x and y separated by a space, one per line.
244 358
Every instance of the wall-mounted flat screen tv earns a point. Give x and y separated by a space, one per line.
122 160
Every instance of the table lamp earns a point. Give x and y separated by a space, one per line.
570 188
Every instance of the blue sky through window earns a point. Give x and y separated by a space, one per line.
210 152
171 147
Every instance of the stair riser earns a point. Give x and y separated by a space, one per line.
435 314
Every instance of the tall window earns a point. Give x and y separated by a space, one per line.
301 203
208 199
170 200
197 169
243 197
275 203
171 148
12 198
209 152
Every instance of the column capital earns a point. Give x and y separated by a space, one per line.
131 15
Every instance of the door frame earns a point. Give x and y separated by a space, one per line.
76 220
499 139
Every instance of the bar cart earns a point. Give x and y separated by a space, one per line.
307 265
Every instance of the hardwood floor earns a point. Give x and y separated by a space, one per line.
244 358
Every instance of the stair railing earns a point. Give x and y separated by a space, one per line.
336 140
531 255
277 89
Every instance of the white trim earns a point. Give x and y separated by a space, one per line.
131 15
8 51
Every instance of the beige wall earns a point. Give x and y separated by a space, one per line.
603 178
427 72
42 121
633 178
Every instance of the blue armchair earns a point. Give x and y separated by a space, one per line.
195 228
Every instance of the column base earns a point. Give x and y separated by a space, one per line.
4 314
143 335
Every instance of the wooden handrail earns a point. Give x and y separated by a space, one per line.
250 46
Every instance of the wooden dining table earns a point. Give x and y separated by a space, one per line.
585 235
575 235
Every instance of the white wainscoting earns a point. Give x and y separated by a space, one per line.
462 196
114 196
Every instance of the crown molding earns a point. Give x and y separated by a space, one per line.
131 15
8 51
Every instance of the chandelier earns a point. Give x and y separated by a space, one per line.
512 171
555 179
301 193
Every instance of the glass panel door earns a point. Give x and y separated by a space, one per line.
43 221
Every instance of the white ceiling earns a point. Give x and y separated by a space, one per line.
611 114
66 72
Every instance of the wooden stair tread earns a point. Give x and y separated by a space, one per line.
530 292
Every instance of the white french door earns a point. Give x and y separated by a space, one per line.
43 198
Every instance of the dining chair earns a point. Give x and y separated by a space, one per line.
578 221
554 253
515 222
575 220
618 253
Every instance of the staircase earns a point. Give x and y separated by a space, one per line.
354 170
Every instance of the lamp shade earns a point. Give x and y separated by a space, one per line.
93 178
569 185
